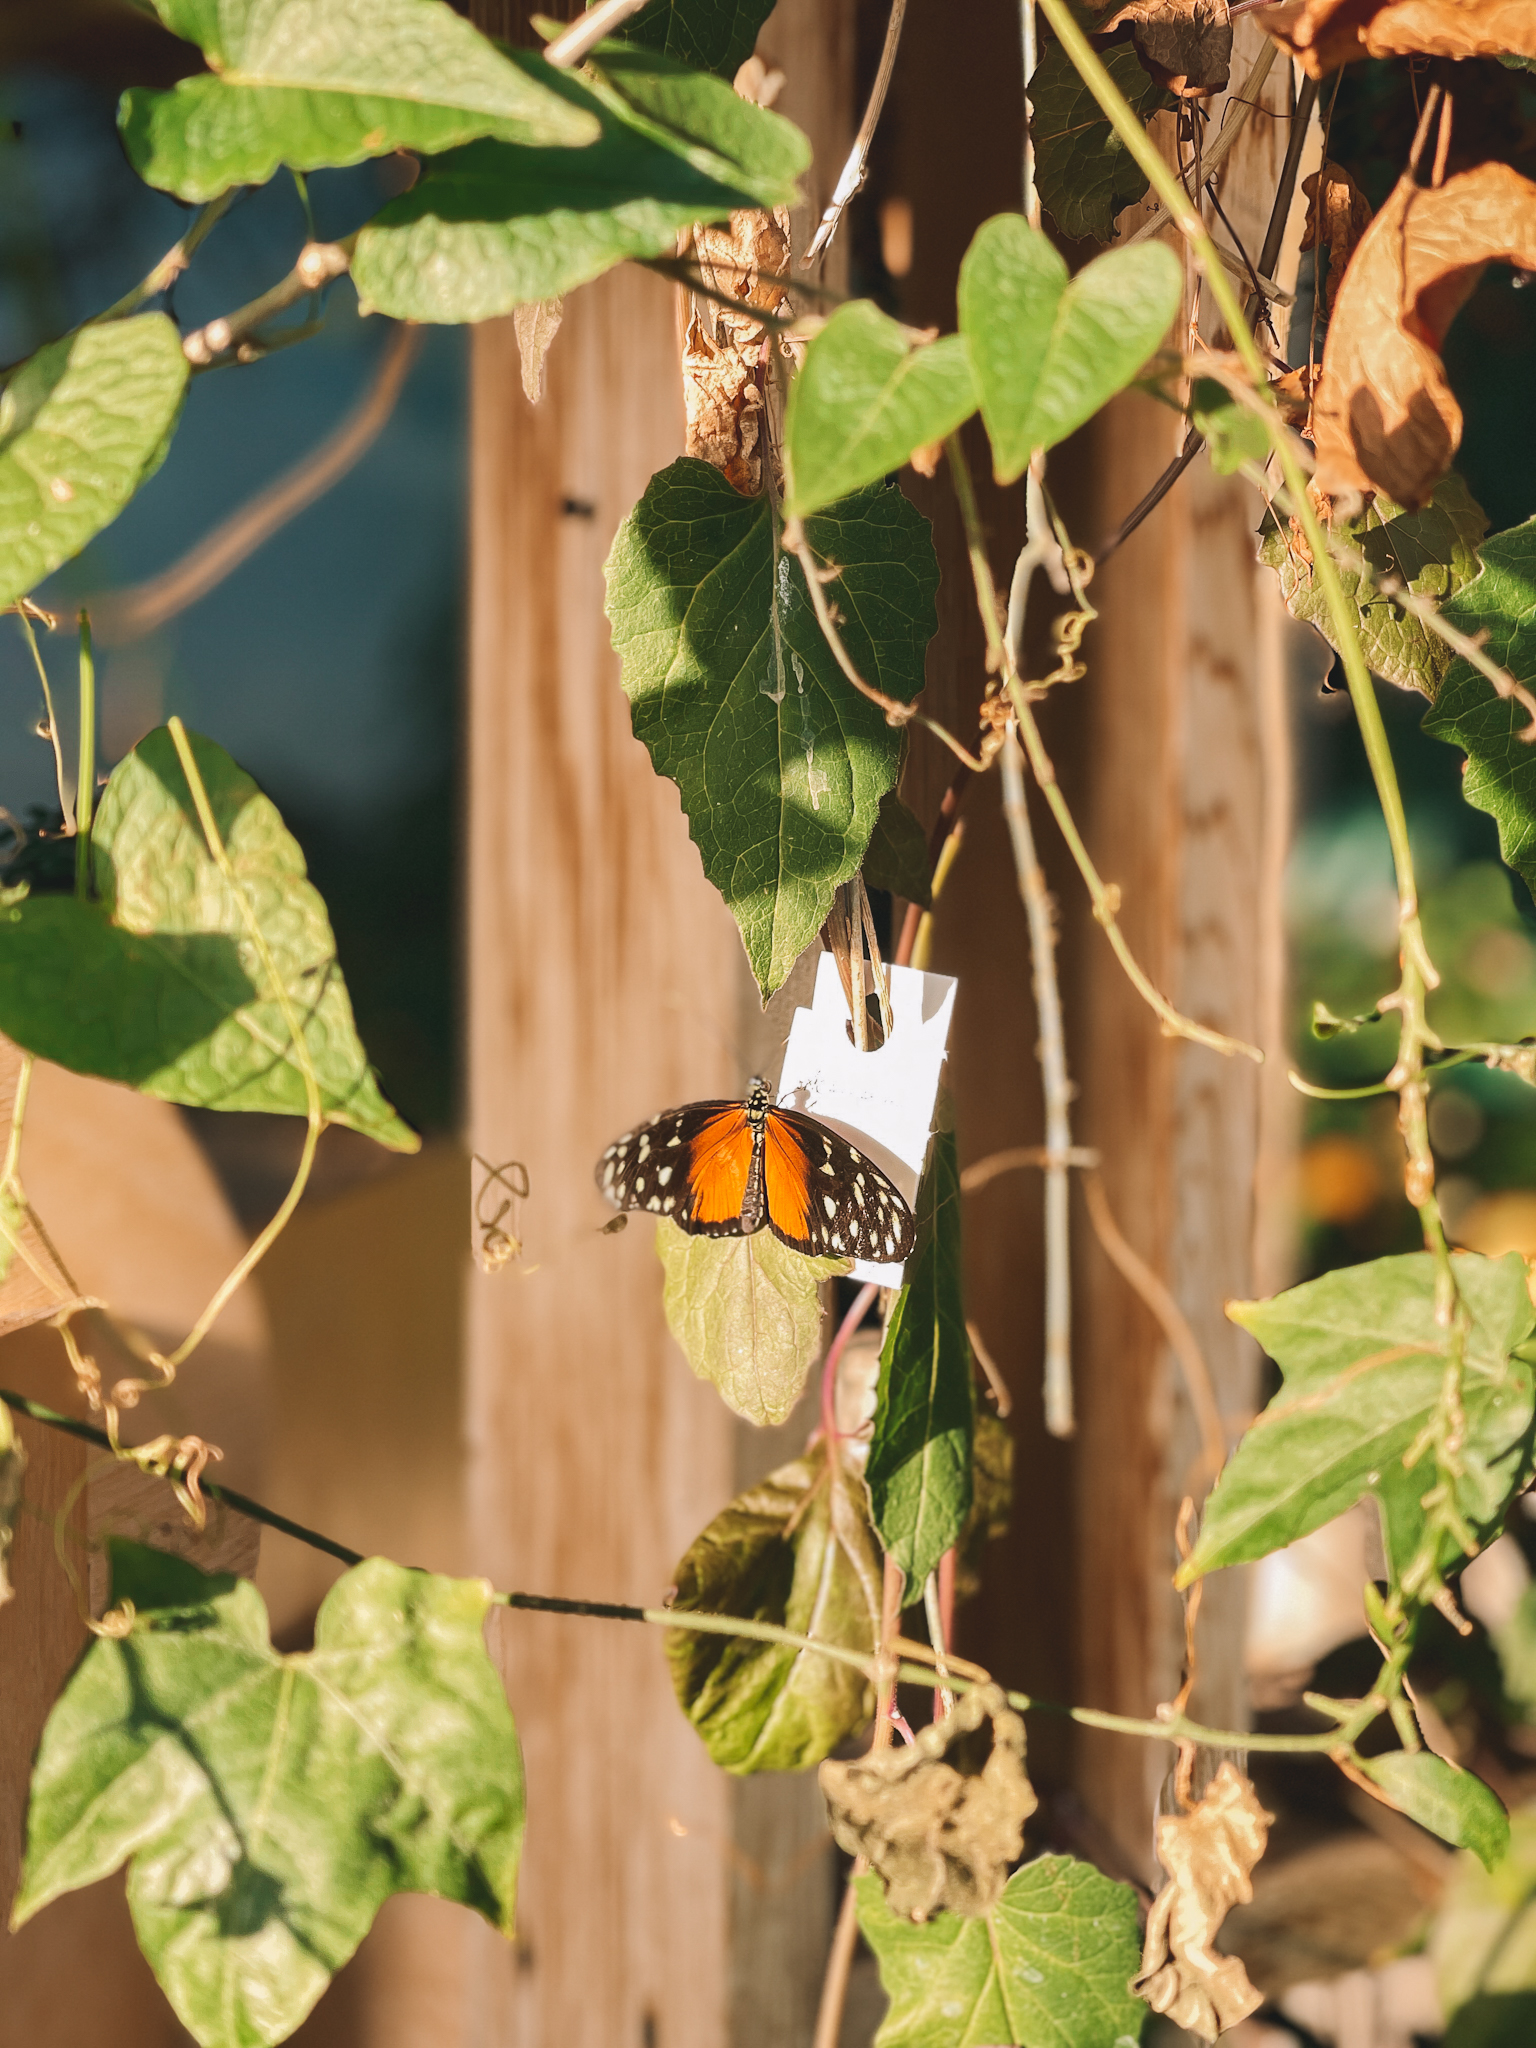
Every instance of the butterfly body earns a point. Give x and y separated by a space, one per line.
728 1169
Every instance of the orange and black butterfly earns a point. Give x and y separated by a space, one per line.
724 1169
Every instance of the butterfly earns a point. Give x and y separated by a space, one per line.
724 1169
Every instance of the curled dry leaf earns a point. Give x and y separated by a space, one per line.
1185 45
1345 215
1385 416
1323 34
1209 1854
724 352
535 326
941 1820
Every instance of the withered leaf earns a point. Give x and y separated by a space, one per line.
724 351
1209 1854
1186 45
941 1820
535 326
1384 414
1323 34
795 1550
1345 215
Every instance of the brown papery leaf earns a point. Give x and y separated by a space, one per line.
535 326
1185 45
1385 416
1323 34
942 1820
1209 1854
723 350
1346 214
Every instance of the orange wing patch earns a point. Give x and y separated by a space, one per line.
787 1175
719 1160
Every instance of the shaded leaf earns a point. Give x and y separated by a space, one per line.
897 857
1047 350
795 1550
1483 1942
747 1313
158 984
1048 1967
1084 173
1384 415
1451 1803
714 35
1468 713
1324 34
1433 552
489 227
1186 45
919 1465
268 1805
315 82
866 396
1336 222
1209 1853
82 424
1363 1362
940 1820
13 1463
780 762
991 1500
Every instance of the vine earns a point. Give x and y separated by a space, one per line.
772 600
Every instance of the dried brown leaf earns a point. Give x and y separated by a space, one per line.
942 1820
1323 34
1385 416
535 326
1346 214
724 352
1185 45
1209 1854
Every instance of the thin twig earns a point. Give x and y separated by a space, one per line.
584 34
318 263
85 772
1220 149
128 614
1170 1319
1029 44
834 1985
173 262
66 804
1015 1156
856 169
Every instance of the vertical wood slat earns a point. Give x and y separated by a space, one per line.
1183 678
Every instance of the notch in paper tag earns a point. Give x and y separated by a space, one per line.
880 1101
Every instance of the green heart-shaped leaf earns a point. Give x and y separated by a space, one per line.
866 396
1048 351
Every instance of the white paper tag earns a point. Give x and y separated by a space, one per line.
880 1101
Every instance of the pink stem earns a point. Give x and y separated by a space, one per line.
835 1350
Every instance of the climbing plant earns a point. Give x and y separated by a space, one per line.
771 601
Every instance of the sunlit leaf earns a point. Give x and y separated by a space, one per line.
1363 1360
82 423
781 763
159 983
866 396
268 1805
919 1466
1048 349
1048 1967
1433 552
747 1313
489 227
1501 765
316 82
794 1550
1451 1803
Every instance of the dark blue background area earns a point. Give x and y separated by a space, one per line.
328 662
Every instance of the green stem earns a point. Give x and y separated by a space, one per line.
85 779
66 807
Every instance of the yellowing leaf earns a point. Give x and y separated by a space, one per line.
747 1313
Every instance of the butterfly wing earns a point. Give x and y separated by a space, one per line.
828 1199
691 1164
